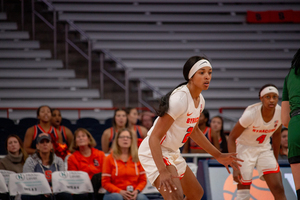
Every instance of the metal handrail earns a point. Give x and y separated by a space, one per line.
53 27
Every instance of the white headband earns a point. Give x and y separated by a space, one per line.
267 90
198 65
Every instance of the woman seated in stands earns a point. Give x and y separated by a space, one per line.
16 156
216 125
45 161
44 126
190 146
139 131
283 152
123 175
120 121
147 119
66 133
86 158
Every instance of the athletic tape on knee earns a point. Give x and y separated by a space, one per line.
243 194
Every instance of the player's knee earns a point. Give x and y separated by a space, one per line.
196 194
243 194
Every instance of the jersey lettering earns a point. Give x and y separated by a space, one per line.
188 133
261 139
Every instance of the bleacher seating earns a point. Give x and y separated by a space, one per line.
154 39
29 77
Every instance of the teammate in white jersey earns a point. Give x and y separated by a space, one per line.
178 113
250 138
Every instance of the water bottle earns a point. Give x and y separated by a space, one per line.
130 188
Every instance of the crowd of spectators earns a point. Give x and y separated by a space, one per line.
49 146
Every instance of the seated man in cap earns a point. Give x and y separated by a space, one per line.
45 161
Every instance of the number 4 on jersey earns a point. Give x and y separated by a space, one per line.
188 133
261 139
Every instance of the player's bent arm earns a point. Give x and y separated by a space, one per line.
276 139
234 134
162 126
285 113
28 140
105 141
203 142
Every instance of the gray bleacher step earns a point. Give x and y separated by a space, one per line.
196 18
3 16
31 64
217 74
195 8
203 45
72 115
8 26
247 84
43 83
226 54
25 54
4 44
48 93
72 103
199 28
241 94
176 1
14 35
192 36
36 73
216 63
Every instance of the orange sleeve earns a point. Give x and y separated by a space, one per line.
107 175
72 163
142 180
101 156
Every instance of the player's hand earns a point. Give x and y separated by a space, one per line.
237 176
126 194
229 159
166 183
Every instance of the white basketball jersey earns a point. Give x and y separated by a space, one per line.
182 110
258 132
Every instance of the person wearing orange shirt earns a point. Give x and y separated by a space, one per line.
123 175
86 158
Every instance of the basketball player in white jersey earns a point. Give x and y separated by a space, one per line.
178 113
250 138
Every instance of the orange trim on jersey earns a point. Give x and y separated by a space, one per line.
181 176
111 134
246 182
166 161
35 133
65 133
55 132
209 134
162 140
270 171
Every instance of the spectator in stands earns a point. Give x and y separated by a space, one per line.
147 119
44 126
190 146
120 121
86 158
67 135
283 152
16 156
122 170
45 161
139 131
217 130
